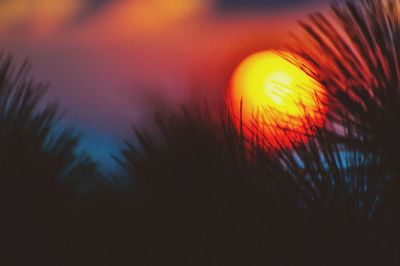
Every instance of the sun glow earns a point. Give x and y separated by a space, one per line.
276 95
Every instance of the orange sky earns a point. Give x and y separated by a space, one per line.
121 62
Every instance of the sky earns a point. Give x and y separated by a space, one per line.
112 63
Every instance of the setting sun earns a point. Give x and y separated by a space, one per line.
269 91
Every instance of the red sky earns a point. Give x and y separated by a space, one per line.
111 67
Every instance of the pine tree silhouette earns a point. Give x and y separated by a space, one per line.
213 200
206 193
356 57
39 168
330 201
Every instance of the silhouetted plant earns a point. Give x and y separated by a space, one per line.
339 189
355 54
323 202
30 144
214 197
39 167
208 194
346 195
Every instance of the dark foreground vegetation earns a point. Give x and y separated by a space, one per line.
207 194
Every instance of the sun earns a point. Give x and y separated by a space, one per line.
274 97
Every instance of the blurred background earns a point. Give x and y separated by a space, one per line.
112 63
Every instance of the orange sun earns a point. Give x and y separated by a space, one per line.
277 99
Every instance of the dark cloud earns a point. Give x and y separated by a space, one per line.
235 4
92 7
98 4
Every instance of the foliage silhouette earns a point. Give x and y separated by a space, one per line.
340 189
345 192
30 144
206 193
323 202
355 55
213 200
39 167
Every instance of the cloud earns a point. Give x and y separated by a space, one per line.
240 4
47 15
91 7
126 58
39 17
95 4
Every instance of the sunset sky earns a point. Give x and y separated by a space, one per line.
112 63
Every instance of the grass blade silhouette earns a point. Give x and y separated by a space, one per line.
39 168
355 54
